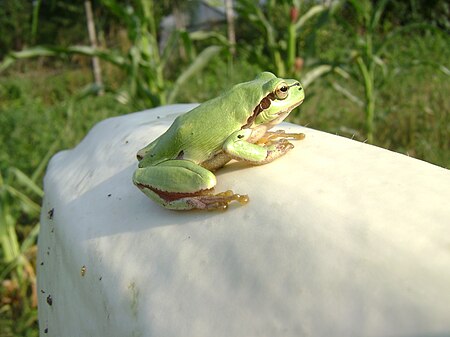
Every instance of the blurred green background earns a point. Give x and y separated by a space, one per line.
374 71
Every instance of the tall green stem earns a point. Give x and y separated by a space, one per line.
281 70
367 72
370 116
292 37
150 38
35 20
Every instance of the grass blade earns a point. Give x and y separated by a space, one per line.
26 182
353 98
27 203
313 11
315 73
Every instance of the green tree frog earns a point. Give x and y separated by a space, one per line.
176 169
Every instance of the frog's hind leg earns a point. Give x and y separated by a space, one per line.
183 185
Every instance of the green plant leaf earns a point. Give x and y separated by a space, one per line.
377 14
27 204
35 52
312 12
203 35
107 55
43 163
30 239
26 182
6 63
346 93
315 73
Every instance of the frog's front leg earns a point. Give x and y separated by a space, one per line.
183 185
262 152
269 136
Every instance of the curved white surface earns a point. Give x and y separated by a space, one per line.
339 239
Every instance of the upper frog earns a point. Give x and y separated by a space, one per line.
175 169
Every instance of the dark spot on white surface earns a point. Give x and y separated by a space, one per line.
51 213
49 300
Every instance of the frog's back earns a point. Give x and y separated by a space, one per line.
201 132
195 136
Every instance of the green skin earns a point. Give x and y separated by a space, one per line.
175 170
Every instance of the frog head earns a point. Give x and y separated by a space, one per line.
279 97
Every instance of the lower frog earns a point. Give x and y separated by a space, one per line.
176 169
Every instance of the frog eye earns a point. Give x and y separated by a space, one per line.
281 92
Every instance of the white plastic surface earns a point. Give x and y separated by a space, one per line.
339 238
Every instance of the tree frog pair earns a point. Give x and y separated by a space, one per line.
175 170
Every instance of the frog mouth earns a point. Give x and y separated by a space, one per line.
290 108
265 103
297 104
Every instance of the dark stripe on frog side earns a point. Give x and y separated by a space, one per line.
171 196
264 104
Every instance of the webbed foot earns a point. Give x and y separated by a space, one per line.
269 136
